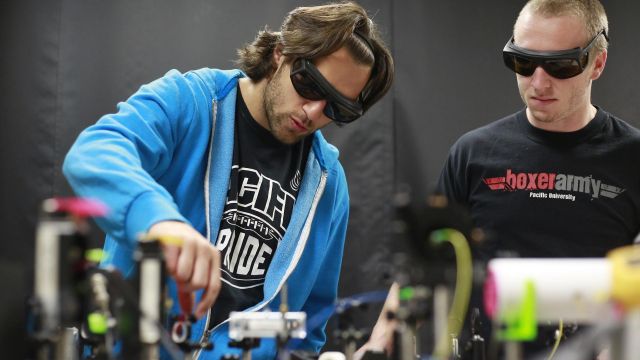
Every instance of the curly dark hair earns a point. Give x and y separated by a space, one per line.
317 31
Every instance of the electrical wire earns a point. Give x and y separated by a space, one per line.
559 334
583 345
464 270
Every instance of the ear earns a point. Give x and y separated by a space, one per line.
278 57
599 64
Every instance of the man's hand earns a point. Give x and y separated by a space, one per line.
194 264
381 339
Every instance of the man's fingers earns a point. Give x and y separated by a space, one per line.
186 261
171 254
190 259
213 287
201 272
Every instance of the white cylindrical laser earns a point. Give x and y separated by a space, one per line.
570 289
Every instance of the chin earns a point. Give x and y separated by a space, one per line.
289 140
542 116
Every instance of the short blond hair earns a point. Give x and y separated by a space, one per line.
590 11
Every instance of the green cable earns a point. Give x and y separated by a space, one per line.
557 343
464 273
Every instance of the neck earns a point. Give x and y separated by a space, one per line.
253 96
572 122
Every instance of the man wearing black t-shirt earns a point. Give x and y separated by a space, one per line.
232 164
559 178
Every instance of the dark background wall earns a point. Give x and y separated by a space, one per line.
65 63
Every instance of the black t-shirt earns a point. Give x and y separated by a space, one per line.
548 194
265 178
537 193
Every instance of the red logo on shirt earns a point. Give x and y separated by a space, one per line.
552 181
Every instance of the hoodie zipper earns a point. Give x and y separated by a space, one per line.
214 112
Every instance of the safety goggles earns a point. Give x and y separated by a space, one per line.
561 64
310 84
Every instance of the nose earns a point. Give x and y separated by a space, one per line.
540 79
314 109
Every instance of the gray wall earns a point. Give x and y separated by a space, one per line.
65 63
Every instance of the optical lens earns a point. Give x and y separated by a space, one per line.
558 68
339 113
523 66
306 87
562 68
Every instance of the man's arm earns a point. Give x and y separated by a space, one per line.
118 160
381 339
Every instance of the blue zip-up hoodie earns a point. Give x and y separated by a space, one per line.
166 155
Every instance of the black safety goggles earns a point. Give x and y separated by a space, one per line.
310 84
561 64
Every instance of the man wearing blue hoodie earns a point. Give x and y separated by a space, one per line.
231 163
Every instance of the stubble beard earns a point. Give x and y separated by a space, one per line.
272 97
563 114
